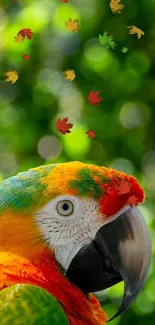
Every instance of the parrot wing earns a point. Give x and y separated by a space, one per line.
25 304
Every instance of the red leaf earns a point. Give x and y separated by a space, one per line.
26 32
132 201
91 134
123 187
64 1
93 98
63 126
26 57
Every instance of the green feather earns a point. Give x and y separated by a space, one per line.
24 304
85 184
24 190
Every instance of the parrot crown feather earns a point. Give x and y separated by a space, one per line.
30 190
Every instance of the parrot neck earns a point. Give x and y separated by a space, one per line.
46 273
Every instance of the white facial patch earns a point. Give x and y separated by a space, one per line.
67 223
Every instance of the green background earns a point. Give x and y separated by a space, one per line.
124 122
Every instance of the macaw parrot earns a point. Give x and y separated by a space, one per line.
67 230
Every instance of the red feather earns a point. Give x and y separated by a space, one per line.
114 200
46 273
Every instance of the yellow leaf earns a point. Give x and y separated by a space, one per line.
19 38
135 30
69 75
116 7
72 25
11 75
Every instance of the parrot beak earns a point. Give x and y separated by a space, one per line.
121 251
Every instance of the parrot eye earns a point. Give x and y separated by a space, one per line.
65 207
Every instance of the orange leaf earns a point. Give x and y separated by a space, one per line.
19 38
72 25
69 75
11 75
116 6
135 30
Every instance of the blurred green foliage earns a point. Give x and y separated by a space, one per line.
124 123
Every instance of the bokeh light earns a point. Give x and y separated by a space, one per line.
133 115
123 165
49 147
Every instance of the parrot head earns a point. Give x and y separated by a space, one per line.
87 218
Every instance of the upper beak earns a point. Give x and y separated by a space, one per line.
120 251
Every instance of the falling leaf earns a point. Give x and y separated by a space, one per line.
91 134
72 25
116 7
19 38
123 187
132 201
135 30
124 49
11 75
64 1
107 41
26 57
94 99
69 75
26 32
63 126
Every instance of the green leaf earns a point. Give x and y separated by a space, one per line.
124 49
107 41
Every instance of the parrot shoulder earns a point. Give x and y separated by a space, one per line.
28 304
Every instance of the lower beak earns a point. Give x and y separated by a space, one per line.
120 251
